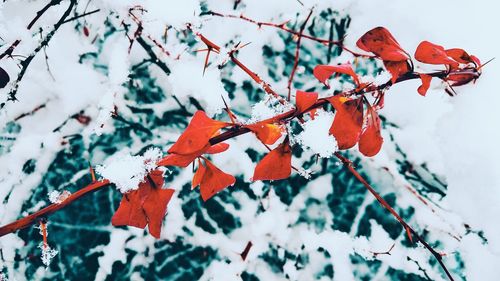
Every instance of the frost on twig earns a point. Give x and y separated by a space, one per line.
56 197
47 254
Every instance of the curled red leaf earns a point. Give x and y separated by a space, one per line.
266 133
145 206
430 53
197 134
426 82
381 42
370 141
211 179
276 165
397 69
217 148
181 160
304 100
348 121
323 72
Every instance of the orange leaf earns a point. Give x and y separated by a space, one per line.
323 72
180 160
197 134
177 160
213 180
426 82
348 121
381 42
304 100
266 133
397 69
433 54
146 205
370 140
217 148
276 165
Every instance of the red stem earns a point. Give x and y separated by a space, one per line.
35 217
348 164
282 26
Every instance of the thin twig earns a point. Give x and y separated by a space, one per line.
26 62
297 53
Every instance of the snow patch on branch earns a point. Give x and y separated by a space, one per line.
316 137
127 171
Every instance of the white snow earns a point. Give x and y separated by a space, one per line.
316 134
127 171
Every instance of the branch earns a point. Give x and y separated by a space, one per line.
348 164
8 51
26 62
282 26
35 217
297 53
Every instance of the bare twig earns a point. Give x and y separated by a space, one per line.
297 53
26 62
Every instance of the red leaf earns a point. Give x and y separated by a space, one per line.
381 42
197 134
217 148
426 82
212 180
370 140
177 160
180 160
433 54
323 72
276 165
266 133
459 55
348 121
145 206
460 79
304 100
397 69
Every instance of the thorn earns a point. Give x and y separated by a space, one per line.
206 61
481 66
228 110
408 232
92 173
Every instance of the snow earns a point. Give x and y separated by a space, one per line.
316 134
188 80
127 171
48 254
455 137
56 197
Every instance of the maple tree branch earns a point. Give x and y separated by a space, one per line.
35 217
